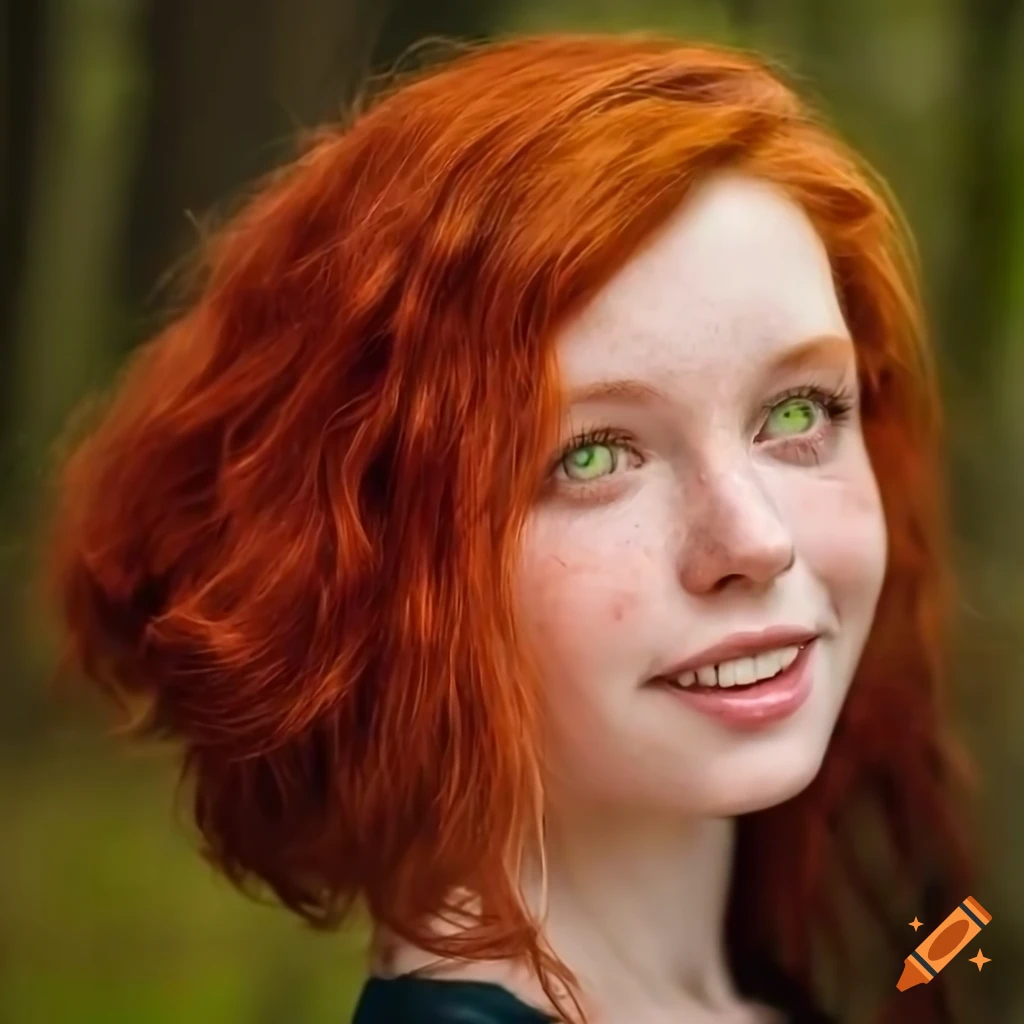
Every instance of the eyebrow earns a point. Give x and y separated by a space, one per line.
824 348
635 391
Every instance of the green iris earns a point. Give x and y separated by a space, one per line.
589 461
793 416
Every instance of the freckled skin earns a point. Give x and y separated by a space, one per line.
705 530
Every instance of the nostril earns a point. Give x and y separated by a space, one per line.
726 581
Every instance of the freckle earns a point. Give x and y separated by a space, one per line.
622 604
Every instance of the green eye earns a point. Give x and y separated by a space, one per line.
791 417
588 461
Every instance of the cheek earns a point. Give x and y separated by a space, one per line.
580 593
839 530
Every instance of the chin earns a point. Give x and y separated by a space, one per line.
748 780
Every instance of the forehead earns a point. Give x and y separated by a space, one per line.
735 276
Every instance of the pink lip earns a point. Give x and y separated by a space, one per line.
750 707
740 645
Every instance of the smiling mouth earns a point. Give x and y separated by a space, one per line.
741 673
744 706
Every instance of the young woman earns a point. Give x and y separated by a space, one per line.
532 531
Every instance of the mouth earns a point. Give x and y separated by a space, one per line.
744 671
748 691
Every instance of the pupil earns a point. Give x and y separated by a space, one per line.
796 414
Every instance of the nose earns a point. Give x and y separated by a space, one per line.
733 533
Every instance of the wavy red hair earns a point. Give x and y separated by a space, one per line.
293 532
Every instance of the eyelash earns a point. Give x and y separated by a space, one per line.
837 404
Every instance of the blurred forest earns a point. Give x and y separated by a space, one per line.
127 123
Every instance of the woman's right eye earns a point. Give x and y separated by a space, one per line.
589 461
592 456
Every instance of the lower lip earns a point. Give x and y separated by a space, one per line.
750 707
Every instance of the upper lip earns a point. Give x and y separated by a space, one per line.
739 645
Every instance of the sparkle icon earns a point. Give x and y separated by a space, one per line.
981 960
915 924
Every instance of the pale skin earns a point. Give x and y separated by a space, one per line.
737 497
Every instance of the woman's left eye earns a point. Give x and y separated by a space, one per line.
792 417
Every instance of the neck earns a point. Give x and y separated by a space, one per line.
636 905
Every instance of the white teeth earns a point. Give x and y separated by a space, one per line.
746 671
788 655
768 664
707 676
741 671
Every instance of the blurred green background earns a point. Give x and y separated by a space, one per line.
128 122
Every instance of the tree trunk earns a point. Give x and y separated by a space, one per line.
232 84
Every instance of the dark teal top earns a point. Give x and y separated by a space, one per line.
409 999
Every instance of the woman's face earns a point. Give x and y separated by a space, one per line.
723 497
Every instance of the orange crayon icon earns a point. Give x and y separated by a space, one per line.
943 944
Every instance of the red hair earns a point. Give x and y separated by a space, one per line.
294 531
